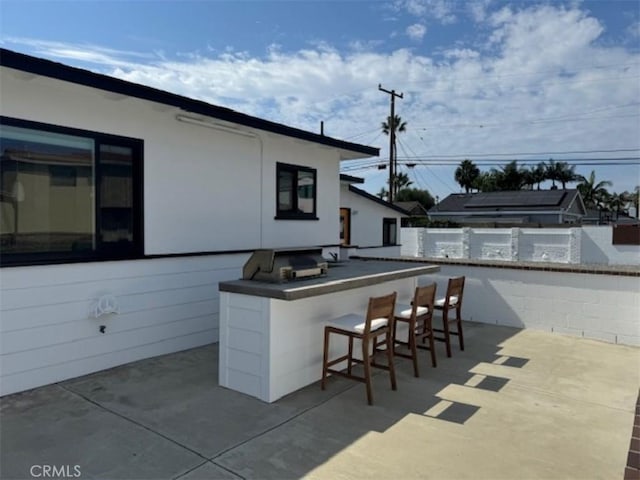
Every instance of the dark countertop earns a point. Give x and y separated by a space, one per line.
342 276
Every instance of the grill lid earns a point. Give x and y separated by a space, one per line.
280 265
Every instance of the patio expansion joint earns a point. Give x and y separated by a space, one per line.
135 422
222 467
284 422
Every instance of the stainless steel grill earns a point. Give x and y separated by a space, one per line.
283 265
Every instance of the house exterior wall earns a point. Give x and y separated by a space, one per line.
602 307
48 332
205 191
217 184
366 219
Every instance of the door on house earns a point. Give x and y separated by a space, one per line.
345 226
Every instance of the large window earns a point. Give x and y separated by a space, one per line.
296 187
68 195
389 231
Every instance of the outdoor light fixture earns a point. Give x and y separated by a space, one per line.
204 122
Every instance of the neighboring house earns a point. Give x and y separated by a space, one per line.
525 207
418 215
368 223
607 217
123 206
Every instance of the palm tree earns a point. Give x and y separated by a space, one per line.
466 174
486 182
536 175
383 194
510 177
398 125
616 203
400 181
551 172
566 174
593 193
561 172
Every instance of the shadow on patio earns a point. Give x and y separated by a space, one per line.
516 403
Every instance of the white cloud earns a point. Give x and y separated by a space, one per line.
440 10
478 9
416 31
546 85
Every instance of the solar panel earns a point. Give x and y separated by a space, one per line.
523 198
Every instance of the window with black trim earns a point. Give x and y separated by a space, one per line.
68 195
389 231
296 187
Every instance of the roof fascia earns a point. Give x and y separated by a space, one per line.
377 200
59 71
350 179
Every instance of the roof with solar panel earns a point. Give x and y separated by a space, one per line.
510 201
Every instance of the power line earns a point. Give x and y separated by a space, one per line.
437 177
426 162
513 154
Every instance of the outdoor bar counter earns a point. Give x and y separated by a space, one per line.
271 334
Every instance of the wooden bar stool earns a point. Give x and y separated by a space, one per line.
452 301
377 323
419 317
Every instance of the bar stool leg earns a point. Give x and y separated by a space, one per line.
447 336
350 361
414 352
325 359
367 368
392 369
459 323
432 350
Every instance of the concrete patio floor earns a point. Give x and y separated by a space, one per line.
515 404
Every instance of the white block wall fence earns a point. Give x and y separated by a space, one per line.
599 306
589 245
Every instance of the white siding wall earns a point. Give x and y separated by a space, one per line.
48 335
366 218
603 307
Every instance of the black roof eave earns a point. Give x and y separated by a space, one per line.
59 71
350 179
379 201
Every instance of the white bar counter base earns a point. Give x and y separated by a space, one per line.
271 335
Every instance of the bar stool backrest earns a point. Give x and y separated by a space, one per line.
380 307
424 297
455 289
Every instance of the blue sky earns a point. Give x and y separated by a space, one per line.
487 80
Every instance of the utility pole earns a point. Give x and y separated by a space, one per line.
392 140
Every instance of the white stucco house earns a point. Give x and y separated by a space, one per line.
368 224
123 206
